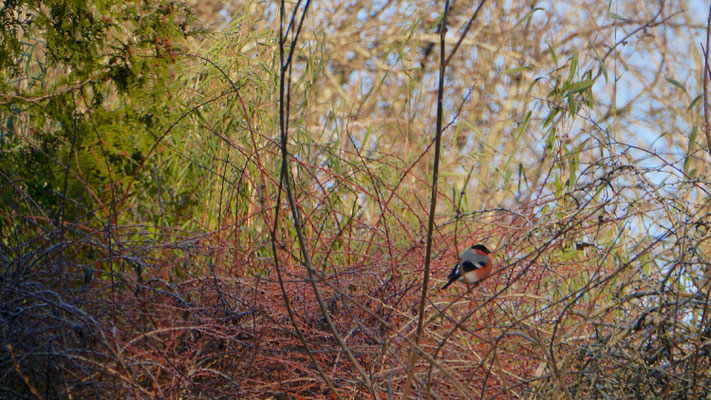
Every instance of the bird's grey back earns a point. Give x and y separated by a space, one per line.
475 259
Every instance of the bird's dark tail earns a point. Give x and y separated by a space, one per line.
451 280
453 276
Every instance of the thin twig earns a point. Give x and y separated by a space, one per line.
433 204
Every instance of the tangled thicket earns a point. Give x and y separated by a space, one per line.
149 249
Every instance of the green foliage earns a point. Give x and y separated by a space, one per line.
88 91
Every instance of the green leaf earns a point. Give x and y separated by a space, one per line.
521 174
523 127
580 86
603 69
692 136
527 16
553 55
551 115
573 65
572 105
677 84
456 134
473 128
517 70
573 165
533 83
368 131
507 176
693 103
690 149
551 138
618 17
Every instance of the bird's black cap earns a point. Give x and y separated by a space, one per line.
481 247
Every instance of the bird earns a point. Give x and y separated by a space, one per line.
474 266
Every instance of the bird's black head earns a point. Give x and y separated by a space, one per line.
481 247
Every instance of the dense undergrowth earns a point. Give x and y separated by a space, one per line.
148 249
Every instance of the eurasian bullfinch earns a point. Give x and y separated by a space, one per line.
475 265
